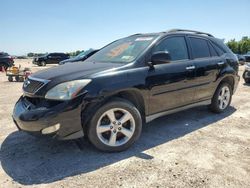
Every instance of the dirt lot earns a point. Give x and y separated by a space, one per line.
194 148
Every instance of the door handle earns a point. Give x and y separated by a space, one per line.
190 67
221 63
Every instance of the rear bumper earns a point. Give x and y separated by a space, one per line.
62 121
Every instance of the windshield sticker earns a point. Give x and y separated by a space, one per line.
119 49
127 57
144 39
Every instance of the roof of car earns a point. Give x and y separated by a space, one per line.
178 31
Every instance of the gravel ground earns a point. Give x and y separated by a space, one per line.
193 148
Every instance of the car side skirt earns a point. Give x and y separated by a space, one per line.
171 111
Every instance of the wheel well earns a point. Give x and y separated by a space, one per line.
229 80
132 96
135 98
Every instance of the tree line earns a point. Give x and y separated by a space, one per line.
71 54
239 47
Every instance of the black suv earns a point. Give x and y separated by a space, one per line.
81 57
6 60
128 82
52 58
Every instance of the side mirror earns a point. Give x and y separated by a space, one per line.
160 57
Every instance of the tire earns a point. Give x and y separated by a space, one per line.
21 79
220 101
101 136
17 78
42 63
247 80
10 78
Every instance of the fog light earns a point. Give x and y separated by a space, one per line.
51 129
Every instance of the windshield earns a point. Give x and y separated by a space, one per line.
124 50
84 53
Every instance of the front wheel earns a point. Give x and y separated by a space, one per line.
115 126
43 63
222 98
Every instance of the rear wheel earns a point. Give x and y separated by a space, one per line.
115 126
10 78
222 98
17 78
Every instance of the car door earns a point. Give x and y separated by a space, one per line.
57 58
171 84
207 63
60 57
51 58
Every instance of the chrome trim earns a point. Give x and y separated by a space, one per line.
221 63
190 67
38 79
157 115
44 81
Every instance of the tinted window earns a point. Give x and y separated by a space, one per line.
176 46
199 48
212 51
218 50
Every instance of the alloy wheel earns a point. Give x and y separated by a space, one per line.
115 127
224 97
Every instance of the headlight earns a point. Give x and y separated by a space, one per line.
66 90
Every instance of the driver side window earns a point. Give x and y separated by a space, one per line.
176 46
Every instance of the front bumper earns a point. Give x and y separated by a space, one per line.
61 120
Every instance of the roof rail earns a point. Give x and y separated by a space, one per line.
190 31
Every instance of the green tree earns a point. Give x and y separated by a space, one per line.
233 45
240 47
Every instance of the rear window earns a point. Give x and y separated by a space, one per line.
200 48
212 50
218 50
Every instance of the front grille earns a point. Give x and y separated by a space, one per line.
41 102
33 85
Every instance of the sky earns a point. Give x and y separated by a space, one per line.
68 25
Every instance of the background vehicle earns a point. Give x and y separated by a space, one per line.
6 60
51 58
247 57
130 81
241 59
246 74
81 57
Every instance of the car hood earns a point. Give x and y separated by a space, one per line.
74 71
